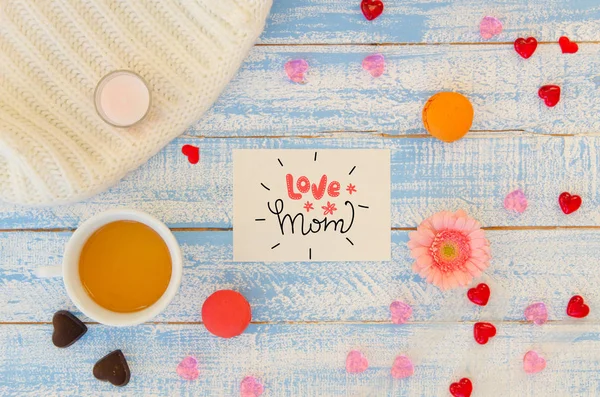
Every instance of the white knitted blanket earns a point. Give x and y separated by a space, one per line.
54 148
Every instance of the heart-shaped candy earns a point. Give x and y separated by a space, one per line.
537 313
251 387
462 388
371 9
400 311
356 362
569 203
490 27
479 295
402 368
525 47
533 362
113 368
483 332
567 46
577 308
188 368
192 153
374 64
68 329
550 94
516 201
295 70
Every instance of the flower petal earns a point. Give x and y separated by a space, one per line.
460 223
479 233
437 221
461 214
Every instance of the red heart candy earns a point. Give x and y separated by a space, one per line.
568 203
525 47
192 153
479 295
550 94
567 46
371 9
462 388
483 332
576 308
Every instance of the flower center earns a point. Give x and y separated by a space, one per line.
450 250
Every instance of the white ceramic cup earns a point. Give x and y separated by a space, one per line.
70 268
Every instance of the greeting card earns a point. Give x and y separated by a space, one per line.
311 205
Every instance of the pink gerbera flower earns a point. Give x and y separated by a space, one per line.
449 249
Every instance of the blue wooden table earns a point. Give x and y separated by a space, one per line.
308 316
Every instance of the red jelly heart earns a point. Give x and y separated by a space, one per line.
462 388
371 9
567 46
525 47
192 153
479 295
569 204
550 94
577 308
483 332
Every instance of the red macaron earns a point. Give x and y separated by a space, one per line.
226 313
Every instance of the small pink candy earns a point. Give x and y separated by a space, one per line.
188 368
516 201
490 27
295 70
537 313
533 362
374 64
400 311
402 368
251 387
356 362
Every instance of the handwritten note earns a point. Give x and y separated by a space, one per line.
311 205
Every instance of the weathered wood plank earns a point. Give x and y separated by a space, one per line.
418 21
527 266
339 95
427 176
305 360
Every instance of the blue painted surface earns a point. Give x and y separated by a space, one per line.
305 359
302 360
418 21
428 176
528 266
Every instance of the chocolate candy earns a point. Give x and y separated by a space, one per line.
67 329
113 368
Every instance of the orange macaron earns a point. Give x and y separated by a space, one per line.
448 116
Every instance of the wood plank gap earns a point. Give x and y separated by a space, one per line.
230 229
393 44
473 134
369 322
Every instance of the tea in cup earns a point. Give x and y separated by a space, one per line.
121 267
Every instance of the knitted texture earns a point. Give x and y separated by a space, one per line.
54 148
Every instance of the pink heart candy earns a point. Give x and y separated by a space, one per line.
295 70
356 362
400 311
490 27
251 387
533 362
516 201
374 64
188 368
537 313
402 368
